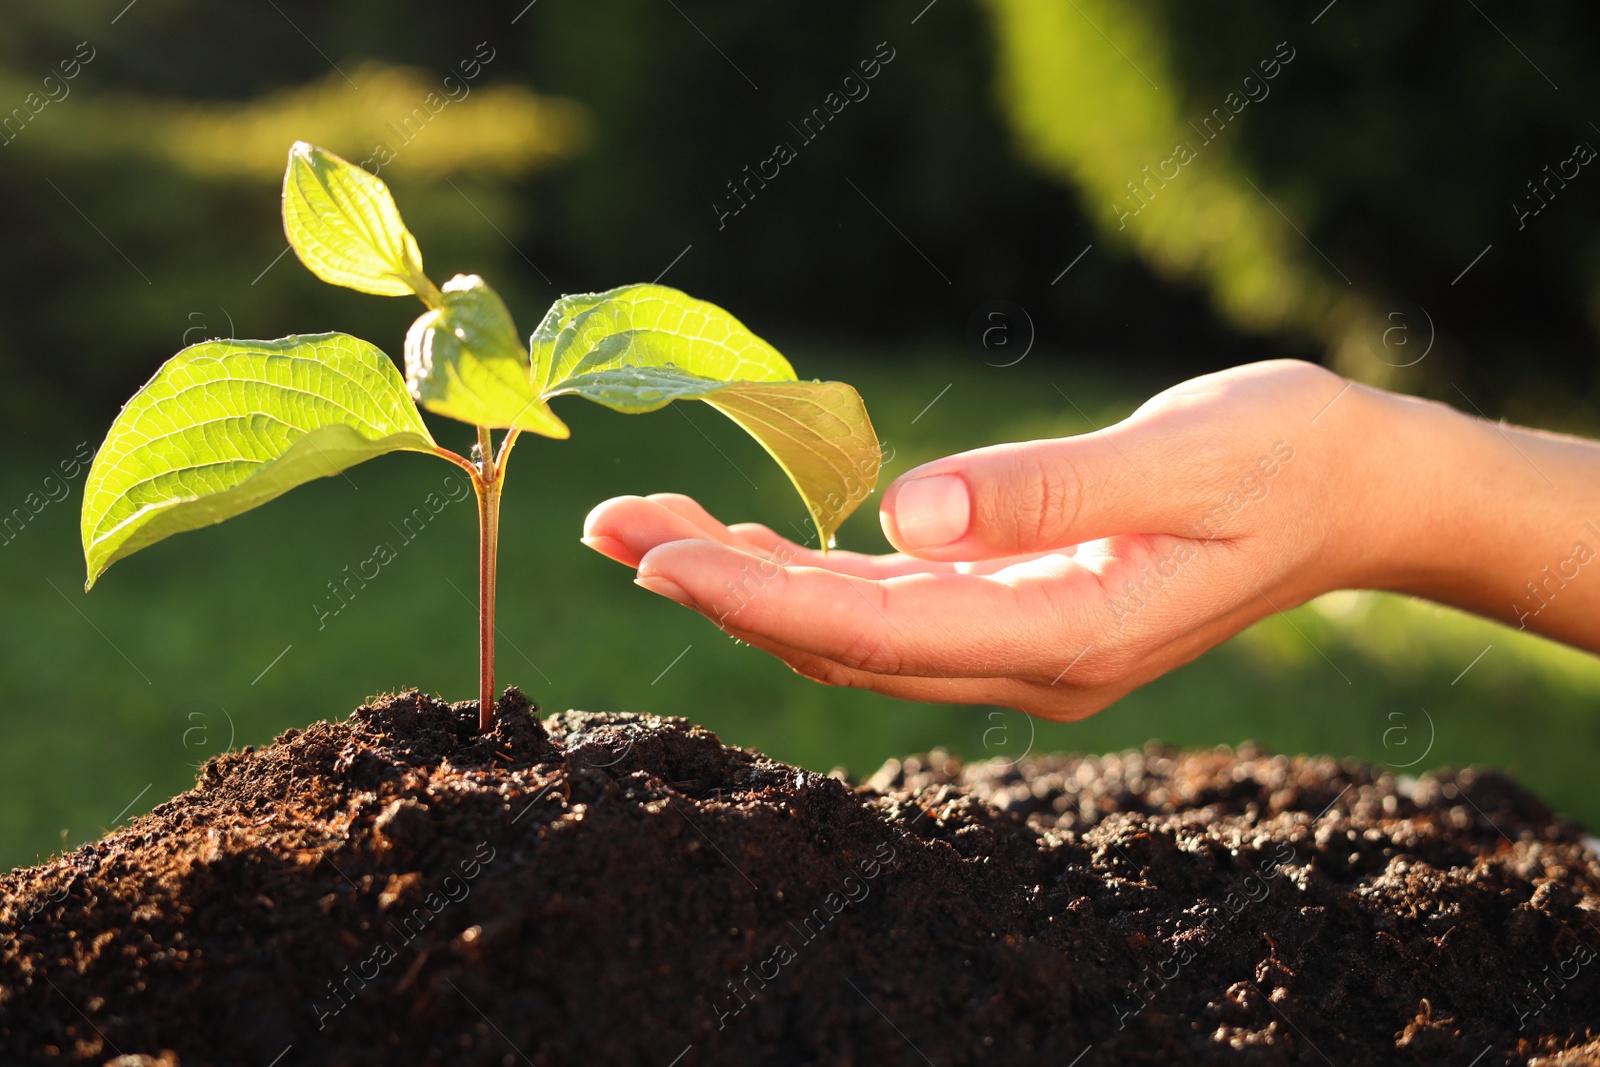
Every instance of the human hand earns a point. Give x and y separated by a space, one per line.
1051 576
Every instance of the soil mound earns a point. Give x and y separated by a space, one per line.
623 889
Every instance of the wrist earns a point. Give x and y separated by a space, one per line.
1423 496
1490 518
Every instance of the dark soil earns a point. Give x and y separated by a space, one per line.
620 889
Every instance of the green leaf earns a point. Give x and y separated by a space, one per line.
641 347
344 226
464 360
820 435
225 426
649 326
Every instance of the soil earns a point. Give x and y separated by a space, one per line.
623 889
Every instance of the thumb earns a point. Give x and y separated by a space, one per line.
1040 496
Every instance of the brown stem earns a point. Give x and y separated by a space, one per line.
505 451
488 487
459 460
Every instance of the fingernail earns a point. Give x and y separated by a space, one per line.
665 587
932 511
609 547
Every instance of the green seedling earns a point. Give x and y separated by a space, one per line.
225 426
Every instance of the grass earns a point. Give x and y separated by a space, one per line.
211 638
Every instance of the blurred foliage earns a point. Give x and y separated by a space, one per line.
502 130
1126 139
1349 192
595 147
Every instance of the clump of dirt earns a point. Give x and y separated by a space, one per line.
623 889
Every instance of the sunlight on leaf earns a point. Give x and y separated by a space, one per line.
225 426
641 347
649 326
344 226
464 360
820 435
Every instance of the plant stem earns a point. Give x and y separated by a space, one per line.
460 461
505 451
487 484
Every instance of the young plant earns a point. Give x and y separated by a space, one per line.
225 426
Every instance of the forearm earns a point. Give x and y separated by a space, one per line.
1494 519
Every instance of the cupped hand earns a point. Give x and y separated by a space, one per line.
1050 576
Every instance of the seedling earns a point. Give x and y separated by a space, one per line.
225 426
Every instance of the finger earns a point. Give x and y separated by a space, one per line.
933 625
611 548
626 527
766 541
689 508
763 540
774 545
1035 496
